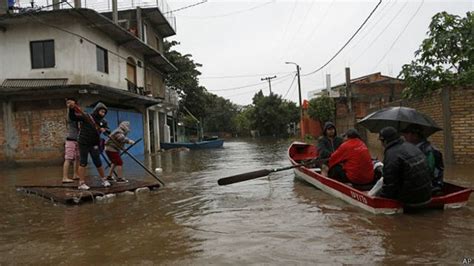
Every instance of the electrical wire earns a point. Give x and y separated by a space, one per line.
389 3
186 7
350 39
291 85
231 13
243 76
286 27
310 37
250 85
399 35
383 31
254 90
296 33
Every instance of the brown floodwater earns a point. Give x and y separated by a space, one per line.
276 220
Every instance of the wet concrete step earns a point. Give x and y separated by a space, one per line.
69 194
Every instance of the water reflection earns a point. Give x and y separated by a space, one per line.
192 220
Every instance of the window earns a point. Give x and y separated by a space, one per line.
42 54
102 60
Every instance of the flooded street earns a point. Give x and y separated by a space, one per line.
275 220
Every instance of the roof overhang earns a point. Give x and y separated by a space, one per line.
106 93
154 15
96 20
159 21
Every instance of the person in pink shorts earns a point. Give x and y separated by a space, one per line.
71 148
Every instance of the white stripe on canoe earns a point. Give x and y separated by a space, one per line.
345 197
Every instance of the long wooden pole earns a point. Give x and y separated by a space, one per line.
260 173
87 117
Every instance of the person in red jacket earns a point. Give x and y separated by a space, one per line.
351 162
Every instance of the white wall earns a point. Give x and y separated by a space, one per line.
75 60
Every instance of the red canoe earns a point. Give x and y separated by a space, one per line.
452 197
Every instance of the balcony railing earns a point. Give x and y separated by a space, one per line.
102 6
171 96
132 87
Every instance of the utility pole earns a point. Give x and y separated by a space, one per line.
269 82
299 94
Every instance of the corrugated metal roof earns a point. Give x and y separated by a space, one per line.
29 83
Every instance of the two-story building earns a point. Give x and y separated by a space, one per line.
113 57
357 96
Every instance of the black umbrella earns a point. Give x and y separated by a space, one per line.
399 118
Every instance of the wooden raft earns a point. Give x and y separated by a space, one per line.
67 193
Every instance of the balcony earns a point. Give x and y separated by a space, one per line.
132 87
105 6
171 96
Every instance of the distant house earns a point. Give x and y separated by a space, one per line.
48 55
364 93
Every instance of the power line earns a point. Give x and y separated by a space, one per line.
288 23
243 76
383 31
249 85
291 85
400 34
375 23
334 56
310 37
232 13
296 33
259 89
186 7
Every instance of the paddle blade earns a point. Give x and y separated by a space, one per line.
243 177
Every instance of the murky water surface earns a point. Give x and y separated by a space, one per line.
276 220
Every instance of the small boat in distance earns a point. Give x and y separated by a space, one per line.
205 144
452 196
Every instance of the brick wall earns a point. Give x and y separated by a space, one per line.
462 124
461 102
40 128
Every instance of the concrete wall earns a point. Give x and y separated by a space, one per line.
75 55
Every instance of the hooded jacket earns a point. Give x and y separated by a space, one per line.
88 134
406 176
355 159
326 146
118 137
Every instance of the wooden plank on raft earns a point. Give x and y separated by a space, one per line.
69 194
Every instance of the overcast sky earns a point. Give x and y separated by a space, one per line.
240 42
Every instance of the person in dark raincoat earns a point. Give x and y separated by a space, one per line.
406 175
434 157
329 142
89 141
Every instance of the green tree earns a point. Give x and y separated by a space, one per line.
445 58
185 81
271 114
215 113
242 121
322 109
220 114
